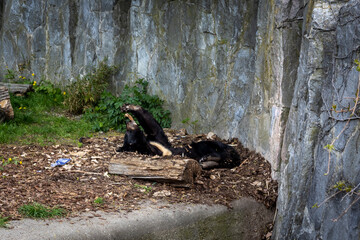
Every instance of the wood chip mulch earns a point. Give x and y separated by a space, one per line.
77 184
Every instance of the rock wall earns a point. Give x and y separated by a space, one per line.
267 72
326 77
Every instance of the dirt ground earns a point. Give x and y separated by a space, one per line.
77 184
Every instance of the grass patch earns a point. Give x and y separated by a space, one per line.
40 119
37 210
99 201
3 221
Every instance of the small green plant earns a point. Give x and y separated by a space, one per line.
191 124
329 147
37 210
3 221
107 114
342 186
315 205
147 189
86 91
348 190
99 201
4 162
9 75
50 90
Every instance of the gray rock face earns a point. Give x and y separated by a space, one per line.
266 72
326 76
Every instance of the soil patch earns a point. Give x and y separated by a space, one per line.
77 184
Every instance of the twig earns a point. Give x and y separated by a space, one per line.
350 193
344 119
328 198
80 171
117 183
243 162
346 210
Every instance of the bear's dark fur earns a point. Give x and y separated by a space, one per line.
213 154
135 141
210 154
152 128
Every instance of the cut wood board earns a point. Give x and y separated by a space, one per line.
181 171
4 93
17 88
6 110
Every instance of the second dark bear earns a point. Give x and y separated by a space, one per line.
213 154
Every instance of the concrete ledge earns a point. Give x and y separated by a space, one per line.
246 220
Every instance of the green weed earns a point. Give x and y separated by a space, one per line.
99 201
342 186
107 114
3 221
17 76
10 74
37 210
86 91
4 162
147 189
191 124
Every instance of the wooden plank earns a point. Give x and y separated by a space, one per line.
17 88
4 93
180 171
6 110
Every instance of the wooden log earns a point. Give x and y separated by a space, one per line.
4 93
6 110
16 88
173 170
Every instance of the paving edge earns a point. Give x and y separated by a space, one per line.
150 222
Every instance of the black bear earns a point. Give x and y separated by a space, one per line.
135 141
210 154
152 128
213 154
